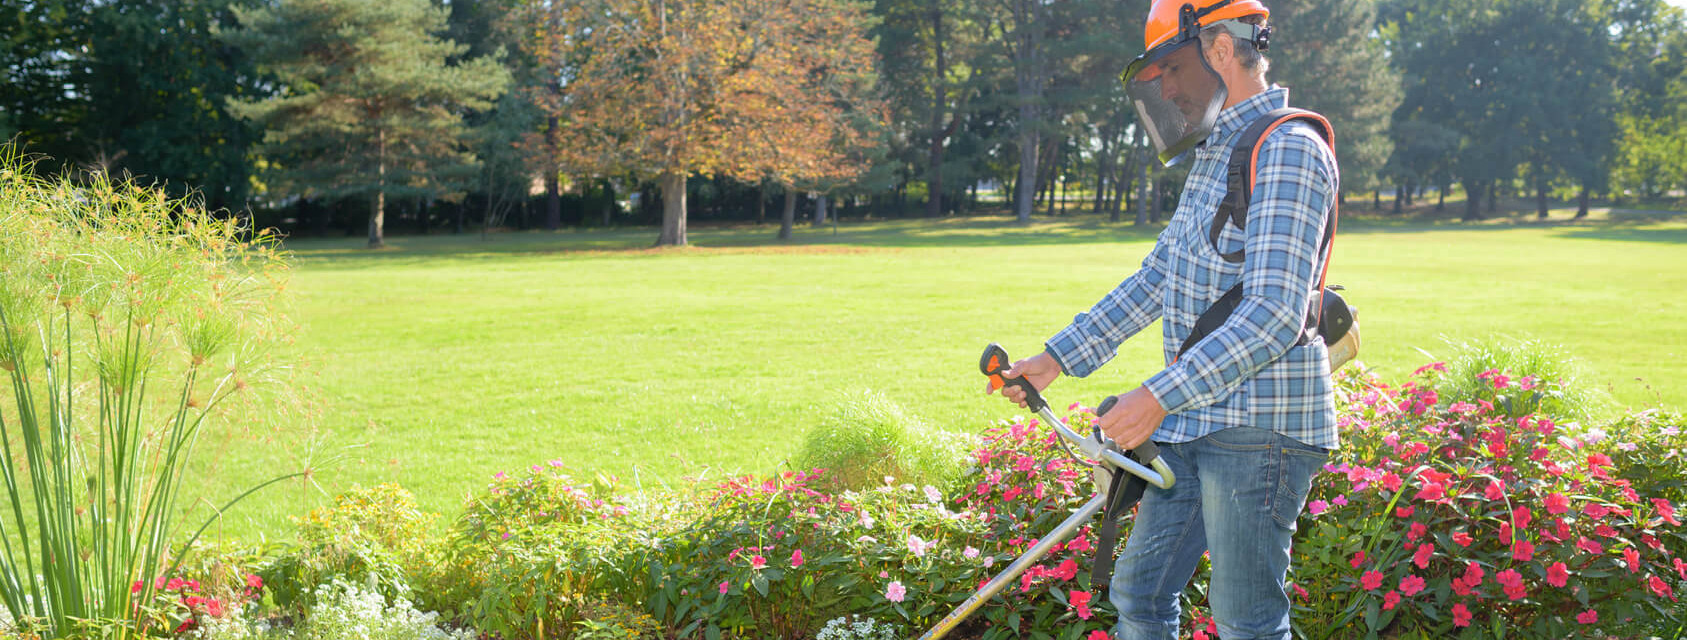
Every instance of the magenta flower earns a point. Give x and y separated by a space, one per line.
895 592
1317 506
723 587
1371 580
1588 617
1461 615
758 562
796 558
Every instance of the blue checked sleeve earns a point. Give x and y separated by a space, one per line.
1094 336
1293 188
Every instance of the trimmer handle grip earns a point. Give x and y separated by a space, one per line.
1145 452
994 362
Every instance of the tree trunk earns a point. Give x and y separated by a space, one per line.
940 103
1027 181
1441 197
819 209
1540 200
1376 199
422 215
672 184
1494 197
1473 200
1581 203
1399 198
788 216
761 205
553 201
608 203
377 218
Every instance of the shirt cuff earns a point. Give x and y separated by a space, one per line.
1168 386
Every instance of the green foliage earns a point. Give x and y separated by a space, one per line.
870 437
371 102
127 321
373 537
1539 378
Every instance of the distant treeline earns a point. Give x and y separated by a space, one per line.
335 115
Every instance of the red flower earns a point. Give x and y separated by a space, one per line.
1513 583
1632 558
1557 504
1521 517
1358 559
1371 580
1588 617
1493 492
1421 557
1681 568
1391 481
253 581
1461 615
1660 587
1589 546
1557 574
1523 551
1666 510
1605 531
1595 510
1411 585
1081 601
1404 512
1461 587
1099 635
1473 573
1390 599
1462 539
1597 460
1416 531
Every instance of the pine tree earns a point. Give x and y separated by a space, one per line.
368 102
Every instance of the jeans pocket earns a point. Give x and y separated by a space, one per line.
1294 481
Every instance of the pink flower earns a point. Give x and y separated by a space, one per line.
1660 587
1390 599
758 562
895 592
214 608
1595 510
1391 481
1416 531
254 582
1358 559
1597 460
1523 551
1461 615
1421 557
1371 580
1588 617
1317 506
1632 558
1081 601
723 587
1411 585
917 546
1099 635
1404 512
1521 517
1666 510
1557 503
1589 546
1557 574
1462 539
1473 573
1513 583
796 558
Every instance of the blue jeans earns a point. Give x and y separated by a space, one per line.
1238 494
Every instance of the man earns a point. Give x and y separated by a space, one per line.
1244 417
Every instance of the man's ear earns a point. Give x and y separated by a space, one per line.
1224 48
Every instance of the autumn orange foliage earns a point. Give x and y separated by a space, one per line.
778 90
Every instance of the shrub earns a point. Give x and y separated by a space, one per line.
1455 518
376 537
871 437
1539 378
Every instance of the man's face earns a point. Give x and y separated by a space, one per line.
1186 82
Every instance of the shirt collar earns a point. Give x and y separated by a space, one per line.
1240 114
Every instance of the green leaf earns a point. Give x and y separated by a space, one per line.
760 583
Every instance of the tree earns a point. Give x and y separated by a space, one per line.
664 89
157 85
39 59
366 101
1326 52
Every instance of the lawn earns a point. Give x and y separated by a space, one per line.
443 360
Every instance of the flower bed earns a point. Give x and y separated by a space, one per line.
1448 512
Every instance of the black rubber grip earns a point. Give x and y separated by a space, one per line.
995 361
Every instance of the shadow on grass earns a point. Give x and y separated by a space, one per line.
856 236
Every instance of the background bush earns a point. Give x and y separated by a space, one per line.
870 437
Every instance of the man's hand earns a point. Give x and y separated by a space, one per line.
1039 370
1133 420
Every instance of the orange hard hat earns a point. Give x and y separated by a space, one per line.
1165 18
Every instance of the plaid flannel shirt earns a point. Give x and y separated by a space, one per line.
1249 372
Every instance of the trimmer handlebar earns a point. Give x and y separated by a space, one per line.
1098 446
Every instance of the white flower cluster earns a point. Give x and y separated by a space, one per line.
345 611
857 628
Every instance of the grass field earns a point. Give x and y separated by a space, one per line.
443 360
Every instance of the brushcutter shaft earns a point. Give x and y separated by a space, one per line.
1064 531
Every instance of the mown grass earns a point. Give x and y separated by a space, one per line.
444 360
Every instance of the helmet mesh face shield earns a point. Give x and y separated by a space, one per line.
1177 96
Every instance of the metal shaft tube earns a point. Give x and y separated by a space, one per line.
1059 534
